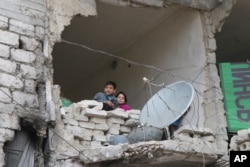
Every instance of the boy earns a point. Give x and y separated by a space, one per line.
107 97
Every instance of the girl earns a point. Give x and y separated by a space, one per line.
122 101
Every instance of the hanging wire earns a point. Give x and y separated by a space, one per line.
167 71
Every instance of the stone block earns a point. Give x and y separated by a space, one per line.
233 145
6 134
21 28
86 138
98 120
132 123
98 132
9 38
125 129
68 110
85 143
5 51
28 71
87 125
208 31
134 116
39 32
67 113
7 66
96 144
25 99
103 127
95 113
100 138
211 58
241 139
23 56
114 131
112 125
4 22
136 112
117 113
70 121
10 81
7 108
78 131
5 95
29 43
82 118
244 132
87 131
75 108
67 135
115 120
30 86
88 103
9 122
212 44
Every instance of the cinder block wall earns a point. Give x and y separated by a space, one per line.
22 65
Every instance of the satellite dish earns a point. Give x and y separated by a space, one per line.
167 105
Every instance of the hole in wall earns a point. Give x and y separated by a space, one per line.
158 37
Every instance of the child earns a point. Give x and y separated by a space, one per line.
122 101
107 97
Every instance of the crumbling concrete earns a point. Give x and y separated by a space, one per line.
213 96
200 4
61 13
152 153
241 141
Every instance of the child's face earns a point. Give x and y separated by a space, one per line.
121 99
109 90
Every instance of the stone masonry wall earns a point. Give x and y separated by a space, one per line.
85 127
22 66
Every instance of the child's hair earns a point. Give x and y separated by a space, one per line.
125 97
111 83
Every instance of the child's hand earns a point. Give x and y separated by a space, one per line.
110 104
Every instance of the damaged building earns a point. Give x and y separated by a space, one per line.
70 48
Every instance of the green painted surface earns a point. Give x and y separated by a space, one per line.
235 82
